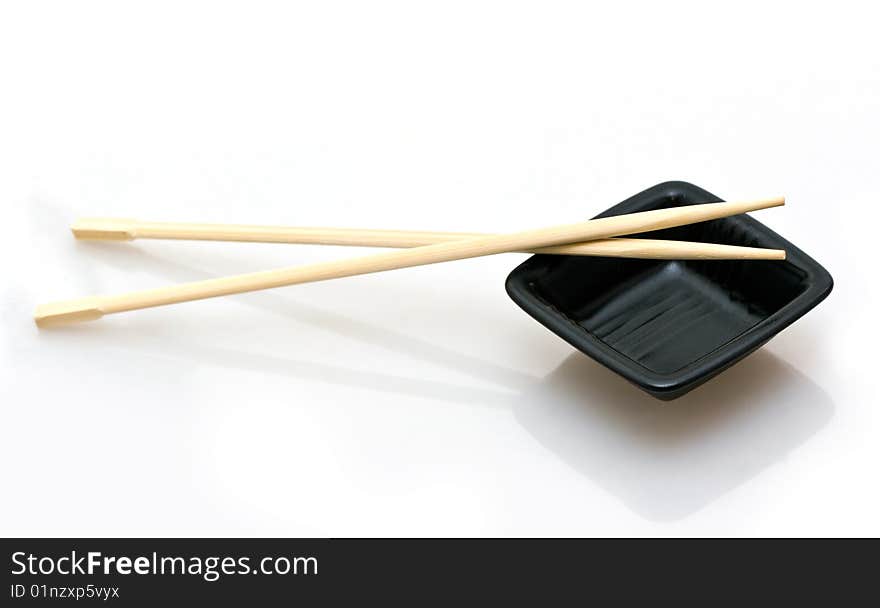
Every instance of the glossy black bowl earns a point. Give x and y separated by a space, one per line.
668 326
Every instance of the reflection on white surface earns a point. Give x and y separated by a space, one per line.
666 460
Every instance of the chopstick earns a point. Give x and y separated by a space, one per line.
95 307
118 229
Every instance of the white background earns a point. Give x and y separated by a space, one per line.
421 401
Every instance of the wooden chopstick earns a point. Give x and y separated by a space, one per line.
95 307
117 229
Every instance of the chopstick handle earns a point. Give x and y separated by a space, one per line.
97 306
117 229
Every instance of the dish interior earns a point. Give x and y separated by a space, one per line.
667 314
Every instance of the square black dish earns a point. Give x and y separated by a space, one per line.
667 326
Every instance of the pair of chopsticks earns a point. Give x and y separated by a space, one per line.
593 238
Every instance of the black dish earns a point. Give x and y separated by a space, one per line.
668 326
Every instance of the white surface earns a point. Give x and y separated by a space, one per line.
422 401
